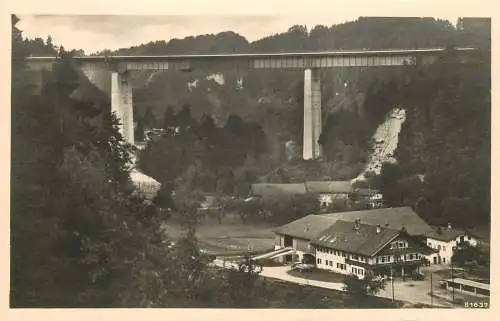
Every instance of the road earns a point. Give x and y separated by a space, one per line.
414 292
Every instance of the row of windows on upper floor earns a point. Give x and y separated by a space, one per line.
380 259
343 254
342 266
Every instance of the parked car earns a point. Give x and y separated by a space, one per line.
302 267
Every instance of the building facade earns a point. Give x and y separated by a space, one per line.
362 250
445 240
300 233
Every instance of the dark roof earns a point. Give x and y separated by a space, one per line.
394 217
446 234
307 227
366 191
329 187
265 189
315 187
364 241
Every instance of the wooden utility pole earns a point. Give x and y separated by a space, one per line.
392 282
432 298
453 284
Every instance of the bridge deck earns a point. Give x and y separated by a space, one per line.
338 53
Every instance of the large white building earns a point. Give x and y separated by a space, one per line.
300 233
362 249
445 240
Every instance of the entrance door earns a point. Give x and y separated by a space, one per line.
439 259
435 260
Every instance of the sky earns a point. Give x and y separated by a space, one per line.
97 32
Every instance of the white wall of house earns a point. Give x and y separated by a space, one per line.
334 260
467 238
445 251
446 248
328 199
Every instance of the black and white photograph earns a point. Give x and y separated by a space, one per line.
250 161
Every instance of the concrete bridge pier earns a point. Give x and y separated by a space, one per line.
312 114
121 104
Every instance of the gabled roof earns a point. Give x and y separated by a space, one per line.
329 187
392 217
264 189
314 187
364 241
446 234
306 228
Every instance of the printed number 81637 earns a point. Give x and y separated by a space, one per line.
476 305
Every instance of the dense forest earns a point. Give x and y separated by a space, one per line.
447 140
80 235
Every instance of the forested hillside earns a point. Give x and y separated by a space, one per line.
447 139
437 131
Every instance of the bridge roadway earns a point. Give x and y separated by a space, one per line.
301 60
111 75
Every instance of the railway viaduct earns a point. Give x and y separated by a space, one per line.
111 74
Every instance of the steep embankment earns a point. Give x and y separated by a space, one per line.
385 142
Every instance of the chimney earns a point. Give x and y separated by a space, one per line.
378 228
449 226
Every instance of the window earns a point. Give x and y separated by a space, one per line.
343 254
444 260
354 257
411 256
319 261
429 244
362 272
331 263
439 247
338 265
382 258
401 244
353 270
376 260
444 248
468 237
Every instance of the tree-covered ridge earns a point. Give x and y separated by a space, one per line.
363 33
